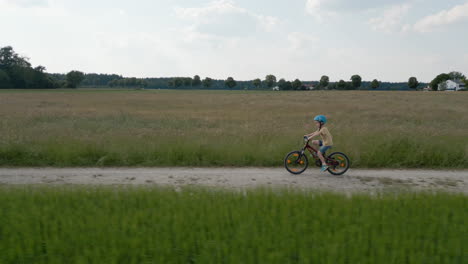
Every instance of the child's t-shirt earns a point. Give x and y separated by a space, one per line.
326 136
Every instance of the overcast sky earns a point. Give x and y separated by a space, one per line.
389 40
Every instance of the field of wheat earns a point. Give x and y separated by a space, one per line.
87 127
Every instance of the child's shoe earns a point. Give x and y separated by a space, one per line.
324 168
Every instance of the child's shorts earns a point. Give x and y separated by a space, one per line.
323 148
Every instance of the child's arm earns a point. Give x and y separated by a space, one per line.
311 135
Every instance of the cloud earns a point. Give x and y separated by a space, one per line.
391 20
444 17
321 7
32 8
221 7
313 6
225 18
148 53
267 23
301 42
25 3
318 9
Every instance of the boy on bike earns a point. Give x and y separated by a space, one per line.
327 139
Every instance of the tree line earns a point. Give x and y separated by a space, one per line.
17 72
270 81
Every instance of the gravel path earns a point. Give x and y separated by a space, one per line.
355 180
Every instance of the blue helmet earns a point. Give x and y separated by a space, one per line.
321 118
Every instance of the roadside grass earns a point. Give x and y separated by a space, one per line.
88 127
196 225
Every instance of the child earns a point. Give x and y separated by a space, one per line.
327 138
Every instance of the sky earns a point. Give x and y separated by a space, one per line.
388 40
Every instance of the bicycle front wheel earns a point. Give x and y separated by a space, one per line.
295 162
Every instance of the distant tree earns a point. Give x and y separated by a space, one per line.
196 81
456 76
324 81
20 77
270 80
133 83
4 80
9 58
74 78
413 82
171 82
207 82
186 81
40 68
257 82
356 81
18 73
177 82
288 85
97 80
41 80
230 82
113 83
61 84
282 84
332 86
341 85
438 79
375 84
442 86
174 82
296 84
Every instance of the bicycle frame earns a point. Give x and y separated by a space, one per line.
313 151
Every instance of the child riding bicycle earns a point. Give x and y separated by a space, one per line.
326 142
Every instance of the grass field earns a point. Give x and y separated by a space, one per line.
229 128
151 225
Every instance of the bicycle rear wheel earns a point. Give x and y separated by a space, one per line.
296 163
338 163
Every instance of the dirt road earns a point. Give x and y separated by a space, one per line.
353 181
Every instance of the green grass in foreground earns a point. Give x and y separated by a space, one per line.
154 225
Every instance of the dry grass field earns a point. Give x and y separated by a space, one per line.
229 128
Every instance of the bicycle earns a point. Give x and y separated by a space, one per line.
296 162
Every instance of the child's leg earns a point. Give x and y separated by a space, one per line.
316 144
320 155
